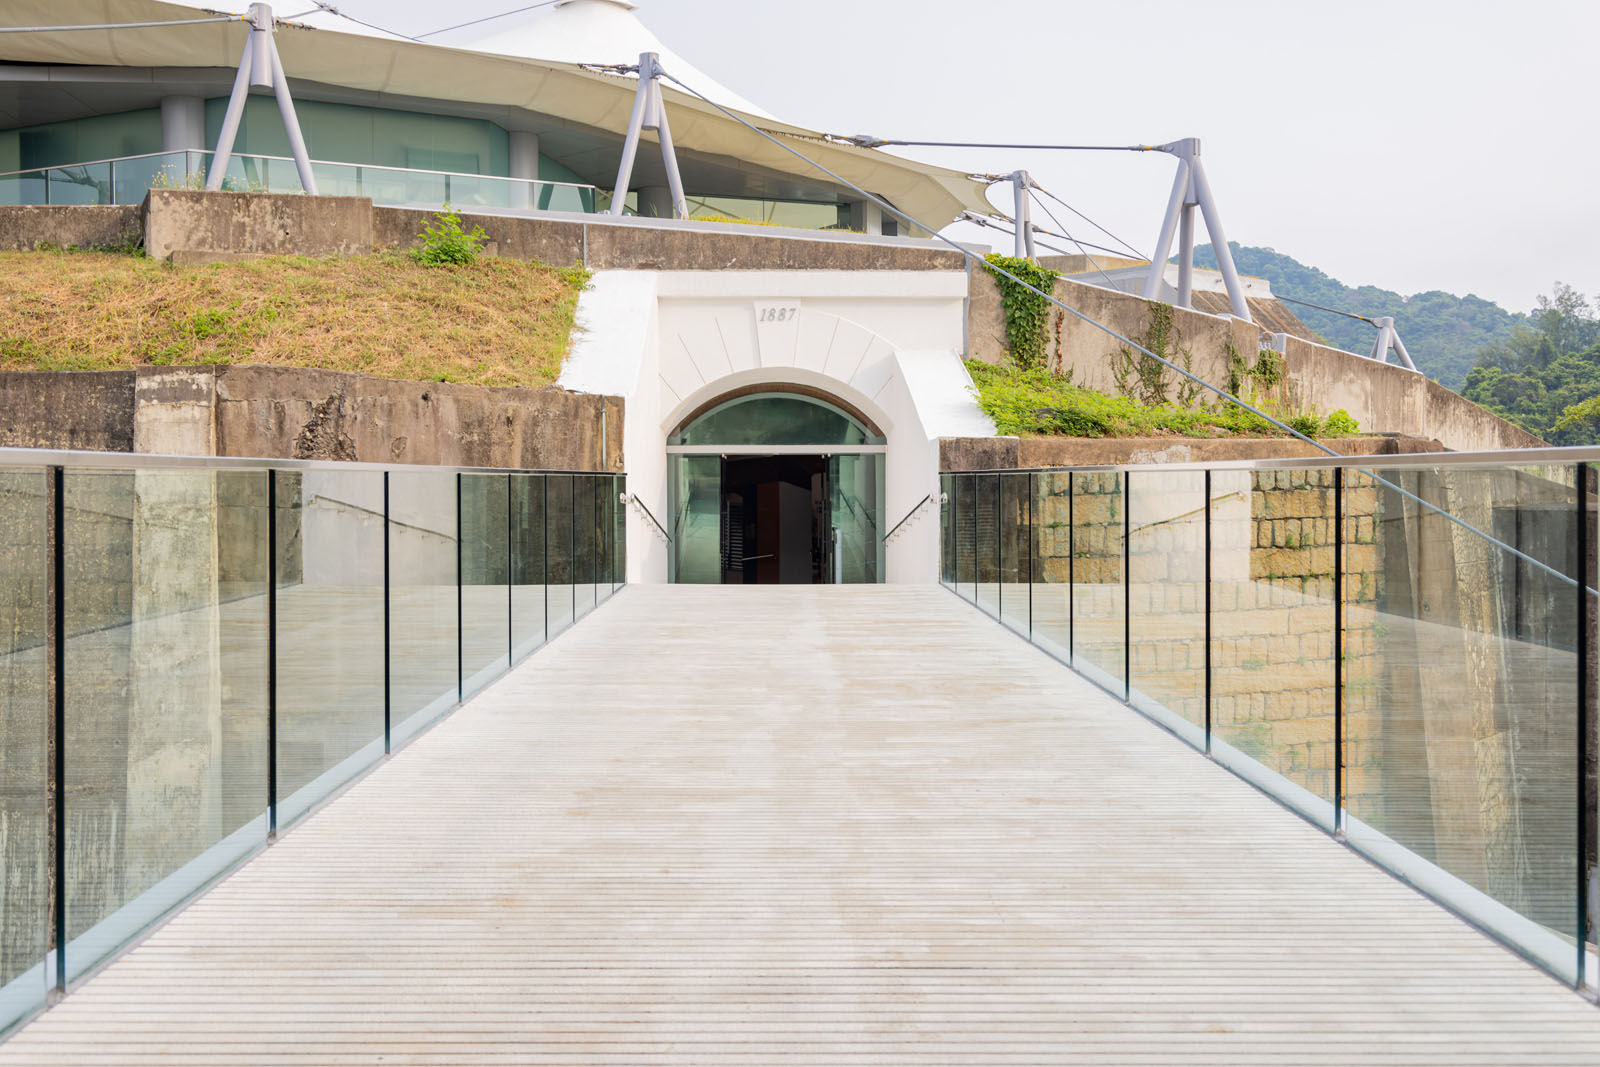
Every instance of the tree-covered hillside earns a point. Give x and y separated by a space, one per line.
1545 377
1443 333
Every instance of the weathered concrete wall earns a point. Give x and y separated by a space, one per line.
189 226
1383 398
24 228
1023 453
310 414
603 245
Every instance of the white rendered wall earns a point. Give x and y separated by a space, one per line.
885 342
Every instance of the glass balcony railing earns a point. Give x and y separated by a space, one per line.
1400 649
126 180
194 652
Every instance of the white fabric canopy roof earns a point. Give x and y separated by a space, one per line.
373 63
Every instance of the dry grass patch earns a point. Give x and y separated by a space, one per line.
496 322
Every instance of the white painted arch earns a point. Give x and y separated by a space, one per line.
886 343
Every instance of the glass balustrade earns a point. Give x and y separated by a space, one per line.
207 649
1403 650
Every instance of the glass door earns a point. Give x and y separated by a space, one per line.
697 519
855 498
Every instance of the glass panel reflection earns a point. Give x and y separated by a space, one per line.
527 563
986 524
1015 547
485 580
1098 600
25 715
585 555
1461 679
1273 619
1166 522
166 692
560 494
330 532
1051 552
424 665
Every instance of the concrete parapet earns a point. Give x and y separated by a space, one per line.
299 413
204 225
24 228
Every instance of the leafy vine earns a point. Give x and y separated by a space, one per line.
1027 313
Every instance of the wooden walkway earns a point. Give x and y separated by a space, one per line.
807 826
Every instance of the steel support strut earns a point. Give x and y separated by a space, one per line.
649 113
1191 190
260 68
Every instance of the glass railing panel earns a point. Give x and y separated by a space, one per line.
1016 507
1590 860
132 178
1461 690
560 495
28 187
986 524
1273 545
330 534
86 184
25 721
424 664
619 533
1051 553
1098 597
947 530
606 505
1166 530
576 198
966 536
485 580
527 563
585 555
166 621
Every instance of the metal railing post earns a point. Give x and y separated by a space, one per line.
388 600
461 623
1584 548
1072 569
1338 651
57 797
1207 579
272 655
1127 586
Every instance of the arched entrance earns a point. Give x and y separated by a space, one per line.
776 485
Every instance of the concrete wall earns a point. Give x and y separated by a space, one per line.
188 226
1383 398
24 228
310 414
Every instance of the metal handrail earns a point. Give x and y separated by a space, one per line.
634 499
287 159
908 515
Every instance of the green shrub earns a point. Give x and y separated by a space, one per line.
1308 424
1341 423
446 244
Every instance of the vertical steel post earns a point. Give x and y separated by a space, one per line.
1207 571
388 600
58 724
1020 183
1338 651
1127 585
1584 548
291 121
1072 571
230 118
272 655
1186 257
461 625
1031 534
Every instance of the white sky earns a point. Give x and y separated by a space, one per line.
1410 144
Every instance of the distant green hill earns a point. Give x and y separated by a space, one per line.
1443 333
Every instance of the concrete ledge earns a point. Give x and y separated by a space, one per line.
184 220
25 228
1028 453
298 413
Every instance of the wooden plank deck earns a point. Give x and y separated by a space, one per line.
786 826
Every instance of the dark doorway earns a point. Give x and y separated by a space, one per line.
775 522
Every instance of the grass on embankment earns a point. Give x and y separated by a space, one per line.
494 322
1037 403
